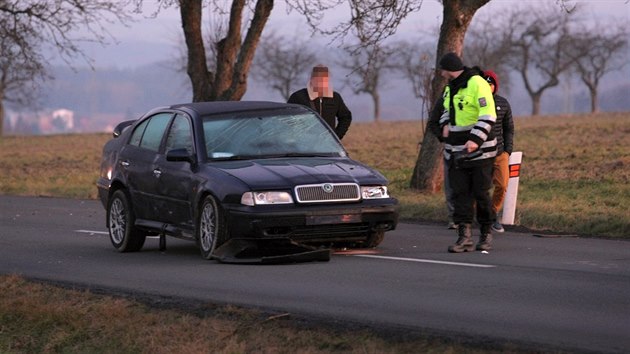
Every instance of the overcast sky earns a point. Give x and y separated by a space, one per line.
149 38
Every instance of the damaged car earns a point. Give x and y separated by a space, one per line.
210 172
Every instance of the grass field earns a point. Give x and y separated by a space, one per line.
575 172
575 179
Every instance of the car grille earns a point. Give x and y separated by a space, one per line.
327 192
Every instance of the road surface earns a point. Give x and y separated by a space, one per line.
565 292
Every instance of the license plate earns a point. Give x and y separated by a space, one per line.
333 219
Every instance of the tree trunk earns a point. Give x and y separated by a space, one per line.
1 116
457 14
234 56
227 50
594 100
377 106
197 68
238 81
536 104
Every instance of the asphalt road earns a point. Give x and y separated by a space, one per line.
564 292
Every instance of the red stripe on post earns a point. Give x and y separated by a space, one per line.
515 170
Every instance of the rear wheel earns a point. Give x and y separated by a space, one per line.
211 227
120 222
374 239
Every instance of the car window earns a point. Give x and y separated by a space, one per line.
180 134
136 137
149 133
273 135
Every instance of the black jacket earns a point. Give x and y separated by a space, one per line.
434 119
333 110
504 126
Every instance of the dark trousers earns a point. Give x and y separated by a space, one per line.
471 186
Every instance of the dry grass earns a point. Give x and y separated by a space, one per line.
55 166
575 173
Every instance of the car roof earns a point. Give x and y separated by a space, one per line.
214 107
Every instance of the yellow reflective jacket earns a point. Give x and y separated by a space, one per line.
469 111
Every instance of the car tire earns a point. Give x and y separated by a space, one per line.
120 222
374 239
211 227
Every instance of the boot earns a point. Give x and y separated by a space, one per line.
464 241
485 240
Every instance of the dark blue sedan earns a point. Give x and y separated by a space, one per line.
212 171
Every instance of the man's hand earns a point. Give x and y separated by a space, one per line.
445 131
471 146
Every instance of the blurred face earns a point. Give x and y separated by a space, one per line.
319 82
492 87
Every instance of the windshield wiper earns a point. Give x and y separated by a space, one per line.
234 157
302 154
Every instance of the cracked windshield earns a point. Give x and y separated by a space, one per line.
269 136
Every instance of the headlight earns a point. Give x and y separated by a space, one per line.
266 198
374 192
109 174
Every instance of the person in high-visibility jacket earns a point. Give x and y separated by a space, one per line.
470 148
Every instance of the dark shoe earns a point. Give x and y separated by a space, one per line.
464 241
497 227
485 240
451 225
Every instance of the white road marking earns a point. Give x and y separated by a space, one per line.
91 232
427 261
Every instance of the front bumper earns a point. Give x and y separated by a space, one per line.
315 223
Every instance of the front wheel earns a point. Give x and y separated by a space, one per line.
211 227
120 222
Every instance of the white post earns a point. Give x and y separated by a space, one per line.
509 205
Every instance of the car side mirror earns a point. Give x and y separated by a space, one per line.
120 127
180 155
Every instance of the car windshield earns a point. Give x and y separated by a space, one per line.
255 137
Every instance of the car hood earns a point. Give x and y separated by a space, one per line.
288 172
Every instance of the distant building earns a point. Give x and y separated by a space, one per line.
35 123
63 119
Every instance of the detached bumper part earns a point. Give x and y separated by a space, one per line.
268 251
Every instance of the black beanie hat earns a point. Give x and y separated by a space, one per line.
451 62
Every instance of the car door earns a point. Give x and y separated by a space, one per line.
175 188
137 160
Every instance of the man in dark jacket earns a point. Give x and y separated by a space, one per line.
504 132
320 97
434 127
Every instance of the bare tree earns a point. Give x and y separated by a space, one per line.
371 21
234 54
540 44
282 62
597 52
485 47
29 27
415 64
18 76
369 67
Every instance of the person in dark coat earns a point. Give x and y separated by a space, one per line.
504 132
433 125
320 97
